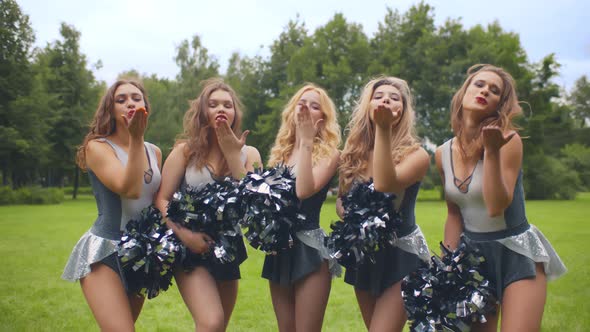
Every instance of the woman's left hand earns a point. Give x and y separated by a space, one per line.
229 144
306 129
494 139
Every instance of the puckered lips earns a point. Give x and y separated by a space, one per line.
132 111
481 100
221 117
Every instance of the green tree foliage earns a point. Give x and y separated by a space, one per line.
48 96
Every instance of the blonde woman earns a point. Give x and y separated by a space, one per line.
382 145
482 176
299 277
124 172
213 147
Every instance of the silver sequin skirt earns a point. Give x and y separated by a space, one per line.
89 250
534 245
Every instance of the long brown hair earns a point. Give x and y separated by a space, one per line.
196 123
508 108
361 140
103 123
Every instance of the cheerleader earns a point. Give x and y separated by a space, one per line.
124 173
212 149
299 277
481 171
382 145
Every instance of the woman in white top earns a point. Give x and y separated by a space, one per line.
210 150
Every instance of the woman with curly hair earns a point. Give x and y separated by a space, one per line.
124 173
299 276
382 146
212 148
481 170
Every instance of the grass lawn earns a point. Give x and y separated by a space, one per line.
35 242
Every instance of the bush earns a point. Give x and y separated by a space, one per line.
81 191
31 195
7 195
546 177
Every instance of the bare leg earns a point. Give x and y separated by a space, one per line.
366 303
311 299
523 303
199 292
283 302
107 299
388 312
228 292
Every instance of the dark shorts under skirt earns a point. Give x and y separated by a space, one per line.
291 265
391 265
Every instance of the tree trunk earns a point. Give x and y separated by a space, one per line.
76 182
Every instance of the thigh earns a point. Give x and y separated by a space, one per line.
283 302
311 299
136 303
523 303
228 292
389 313
107 299
199 292
366 302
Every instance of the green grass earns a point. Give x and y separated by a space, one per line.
35 242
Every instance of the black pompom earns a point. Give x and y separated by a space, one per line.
212 209
147 253
450 294
270 209
370 223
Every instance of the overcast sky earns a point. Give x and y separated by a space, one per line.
143 34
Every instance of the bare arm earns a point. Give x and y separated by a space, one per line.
310 179
389 178
501 166
126 181
453 224
172 176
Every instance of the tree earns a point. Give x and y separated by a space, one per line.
16 39
579 100
74 95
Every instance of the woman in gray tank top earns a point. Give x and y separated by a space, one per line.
210 150
481 172
300 277
382 145
124 173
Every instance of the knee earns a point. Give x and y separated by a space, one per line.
214 322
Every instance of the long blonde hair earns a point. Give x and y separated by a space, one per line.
103 123
196 125
327 139
508 108
361 140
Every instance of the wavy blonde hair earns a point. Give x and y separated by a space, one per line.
508 108
361 140
103 123
327 138
197 130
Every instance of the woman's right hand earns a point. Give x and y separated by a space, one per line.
197 242
138 123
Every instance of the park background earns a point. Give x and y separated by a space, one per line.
49 93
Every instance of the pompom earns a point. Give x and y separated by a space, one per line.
212 209
449 295
147 253
370 223
270 209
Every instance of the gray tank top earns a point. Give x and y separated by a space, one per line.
115 211
477 223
